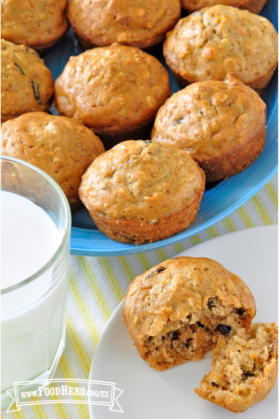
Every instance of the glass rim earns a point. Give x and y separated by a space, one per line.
66 234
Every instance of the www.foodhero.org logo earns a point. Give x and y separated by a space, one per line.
64 391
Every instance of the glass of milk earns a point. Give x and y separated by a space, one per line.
35 231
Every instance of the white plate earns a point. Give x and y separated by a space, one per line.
150 394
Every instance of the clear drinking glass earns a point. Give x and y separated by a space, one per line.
33 312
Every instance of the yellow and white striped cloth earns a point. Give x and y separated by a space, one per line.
97 286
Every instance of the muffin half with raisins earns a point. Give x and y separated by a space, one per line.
176 311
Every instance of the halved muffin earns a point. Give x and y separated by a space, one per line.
176 311
244 369
217 40
221 125
141 192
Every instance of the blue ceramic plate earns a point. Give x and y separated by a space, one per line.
220 200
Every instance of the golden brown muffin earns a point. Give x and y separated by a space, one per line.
209 44
116 91
221 125
141 192
143 24
175 311
60 146
254 6
244 369
26 83
38 23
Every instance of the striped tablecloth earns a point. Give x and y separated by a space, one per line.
97 286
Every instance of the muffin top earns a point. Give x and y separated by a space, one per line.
253 6
112 88
209 118
140 24
33 23
60 146
218 40
26 83
181 287
141 180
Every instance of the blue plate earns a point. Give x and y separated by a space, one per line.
220 200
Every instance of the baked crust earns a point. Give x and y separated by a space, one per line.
130 231
112 89
99 23
26 83
60 146
219 40
221 125
243 370
141 192
37 24
175 311
254 6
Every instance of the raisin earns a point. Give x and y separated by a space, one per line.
240 311
175 335
36 90
187 344
210 303
247 374
207 329
214 384
20 69
149 339
156 271
223 329
200 324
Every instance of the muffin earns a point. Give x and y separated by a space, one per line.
244 369
116 91
176 311
26 83
254 6
102 22
142 192
37 24
221 125
60 146
209 44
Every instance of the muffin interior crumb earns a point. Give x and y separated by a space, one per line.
239 365
192 338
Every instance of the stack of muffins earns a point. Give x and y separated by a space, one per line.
115 95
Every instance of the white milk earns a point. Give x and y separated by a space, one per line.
33 315
29 238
